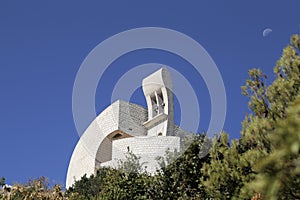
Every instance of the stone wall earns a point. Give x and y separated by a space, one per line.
148 148
93 145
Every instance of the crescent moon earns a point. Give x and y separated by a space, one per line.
267 32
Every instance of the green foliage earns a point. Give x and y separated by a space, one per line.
232 168
131 163
34 189
279 173
2 181
87 188
269 105
181 178
221 175
128 181
121 185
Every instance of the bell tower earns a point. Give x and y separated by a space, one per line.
157 89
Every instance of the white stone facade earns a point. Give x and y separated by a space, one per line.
148 133
145 147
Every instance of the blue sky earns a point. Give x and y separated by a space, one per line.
42 45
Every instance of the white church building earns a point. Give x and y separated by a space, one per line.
148 133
